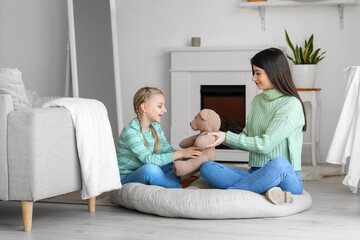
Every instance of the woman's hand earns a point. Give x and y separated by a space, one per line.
219 138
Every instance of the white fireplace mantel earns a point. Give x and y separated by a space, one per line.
192 67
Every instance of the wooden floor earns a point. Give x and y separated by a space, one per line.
335 214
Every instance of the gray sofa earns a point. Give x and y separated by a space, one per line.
38 155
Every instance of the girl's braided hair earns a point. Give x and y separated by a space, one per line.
141 96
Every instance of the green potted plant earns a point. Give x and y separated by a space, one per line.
305 61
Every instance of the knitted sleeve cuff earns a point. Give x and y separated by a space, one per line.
167 158
232 139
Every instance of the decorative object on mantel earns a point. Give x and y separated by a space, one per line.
305 59
195 41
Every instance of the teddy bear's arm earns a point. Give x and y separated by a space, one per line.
188 142
204 140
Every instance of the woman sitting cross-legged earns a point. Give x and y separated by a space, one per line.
273 135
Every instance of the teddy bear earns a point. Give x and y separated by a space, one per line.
206 121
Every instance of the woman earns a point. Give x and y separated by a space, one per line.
273 135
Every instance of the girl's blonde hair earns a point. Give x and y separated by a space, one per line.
141 96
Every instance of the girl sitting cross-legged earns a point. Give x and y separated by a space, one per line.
143 153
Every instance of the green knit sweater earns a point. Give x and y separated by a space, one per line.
132 152
274 129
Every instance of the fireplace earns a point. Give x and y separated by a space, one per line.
229 103
216 78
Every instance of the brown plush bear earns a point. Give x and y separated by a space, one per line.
206 121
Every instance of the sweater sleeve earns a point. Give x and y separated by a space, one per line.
134 141
285 121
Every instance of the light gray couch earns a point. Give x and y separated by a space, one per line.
38 155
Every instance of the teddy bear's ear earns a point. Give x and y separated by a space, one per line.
204 114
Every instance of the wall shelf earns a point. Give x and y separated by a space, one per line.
261 6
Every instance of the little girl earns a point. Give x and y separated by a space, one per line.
143 153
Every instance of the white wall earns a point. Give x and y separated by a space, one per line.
33 38
147 28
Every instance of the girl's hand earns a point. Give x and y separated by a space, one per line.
191 152
219 138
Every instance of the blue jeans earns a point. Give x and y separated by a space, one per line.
278 172
152 174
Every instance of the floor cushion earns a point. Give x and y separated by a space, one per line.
204 203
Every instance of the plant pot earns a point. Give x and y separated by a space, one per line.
304 75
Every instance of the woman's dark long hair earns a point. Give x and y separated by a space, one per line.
276 66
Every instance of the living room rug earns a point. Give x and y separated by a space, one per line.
308 173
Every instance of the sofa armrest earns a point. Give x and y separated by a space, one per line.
42 154
6 106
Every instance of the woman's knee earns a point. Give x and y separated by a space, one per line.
206 166
281 163
298 191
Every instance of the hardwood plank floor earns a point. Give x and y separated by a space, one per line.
335 214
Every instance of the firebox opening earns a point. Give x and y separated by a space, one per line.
229 102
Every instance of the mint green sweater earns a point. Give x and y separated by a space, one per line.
132 152
274 129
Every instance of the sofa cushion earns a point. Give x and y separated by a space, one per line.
11 83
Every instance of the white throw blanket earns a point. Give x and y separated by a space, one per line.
95 144
345 146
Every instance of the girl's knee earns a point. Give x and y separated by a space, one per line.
151 169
